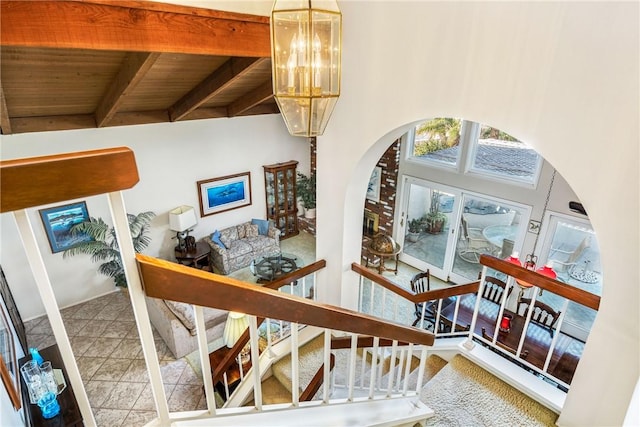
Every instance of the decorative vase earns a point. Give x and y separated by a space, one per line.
310 213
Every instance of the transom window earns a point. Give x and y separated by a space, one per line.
489 152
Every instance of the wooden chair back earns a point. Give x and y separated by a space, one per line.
543 314
421 282
494 289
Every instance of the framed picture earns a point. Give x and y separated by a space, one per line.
373 189
370 224
534 227
225 193
58 222
9 361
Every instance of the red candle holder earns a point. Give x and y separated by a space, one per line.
505 323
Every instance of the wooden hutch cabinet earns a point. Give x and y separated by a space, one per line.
280 189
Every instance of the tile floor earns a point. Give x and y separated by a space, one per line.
105 341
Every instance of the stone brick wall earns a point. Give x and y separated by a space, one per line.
385 207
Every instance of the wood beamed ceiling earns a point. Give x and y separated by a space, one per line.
74 64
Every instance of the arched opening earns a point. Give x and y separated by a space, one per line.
450 190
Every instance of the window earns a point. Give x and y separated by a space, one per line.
438 140
498 154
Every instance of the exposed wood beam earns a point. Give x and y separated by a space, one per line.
250 100
207 113
133 27
213 84
132 71
26 183
5 122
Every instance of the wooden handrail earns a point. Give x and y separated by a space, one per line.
211 290
296 275
228 359
543 282
410 295
316 381
37 181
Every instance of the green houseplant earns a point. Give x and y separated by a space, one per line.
415 226
434 219
306 191
104 246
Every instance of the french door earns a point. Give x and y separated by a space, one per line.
474 224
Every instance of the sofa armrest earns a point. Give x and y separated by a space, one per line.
274 233
218 257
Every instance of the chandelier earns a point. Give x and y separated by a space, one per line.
306 44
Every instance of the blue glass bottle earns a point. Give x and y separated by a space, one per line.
36 356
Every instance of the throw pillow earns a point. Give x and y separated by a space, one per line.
251 230
228 235
241 233
215 238
263 225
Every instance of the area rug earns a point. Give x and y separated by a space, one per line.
462 394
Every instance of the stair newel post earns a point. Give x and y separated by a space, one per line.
326 383
423 362
255 361
392 366
374 365
295 380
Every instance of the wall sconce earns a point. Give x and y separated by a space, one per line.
306 45
181 219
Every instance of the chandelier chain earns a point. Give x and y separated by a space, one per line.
544 209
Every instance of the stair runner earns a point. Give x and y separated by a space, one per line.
460 392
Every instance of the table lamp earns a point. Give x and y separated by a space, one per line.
236 324
181 219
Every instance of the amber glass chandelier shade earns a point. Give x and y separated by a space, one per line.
306 40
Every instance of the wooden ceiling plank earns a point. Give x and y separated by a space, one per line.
5 122
258 96
133 70
216 82
139 118
114 26
51 123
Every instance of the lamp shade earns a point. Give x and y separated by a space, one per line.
182 218
306 43
236 324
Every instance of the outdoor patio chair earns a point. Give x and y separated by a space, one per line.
569 257
473 244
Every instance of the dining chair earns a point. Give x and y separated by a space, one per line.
523 354
494 289
421 282
543 314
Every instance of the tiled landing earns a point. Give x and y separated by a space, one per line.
105 342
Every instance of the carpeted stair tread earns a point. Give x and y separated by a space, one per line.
464 394
274 392
310 359
433 365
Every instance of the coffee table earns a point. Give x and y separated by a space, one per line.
268 268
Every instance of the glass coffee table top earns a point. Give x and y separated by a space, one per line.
273 266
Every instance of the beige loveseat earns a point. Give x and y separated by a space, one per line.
175 323
238 245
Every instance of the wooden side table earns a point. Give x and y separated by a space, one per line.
382 255
198 258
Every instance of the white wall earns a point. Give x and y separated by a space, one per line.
562 76
171 157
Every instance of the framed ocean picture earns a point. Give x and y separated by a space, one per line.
58 221
224 193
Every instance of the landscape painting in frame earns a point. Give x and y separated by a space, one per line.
225 193
58 222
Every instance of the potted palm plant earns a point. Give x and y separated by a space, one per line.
103 246
306 191
415 226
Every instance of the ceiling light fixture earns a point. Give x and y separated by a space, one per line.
306 45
